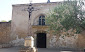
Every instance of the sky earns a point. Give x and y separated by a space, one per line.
6 7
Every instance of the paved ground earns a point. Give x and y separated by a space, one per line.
16 49
54 50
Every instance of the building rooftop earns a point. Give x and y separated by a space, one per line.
36 3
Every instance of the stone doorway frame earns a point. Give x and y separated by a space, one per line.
35 37
41 29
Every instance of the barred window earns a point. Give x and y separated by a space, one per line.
42 20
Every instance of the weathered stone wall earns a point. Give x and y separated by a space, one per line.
64 41
5 29
81 40
74 41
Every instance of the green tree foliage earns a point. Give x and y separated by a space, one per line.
65 17
9 20
3 21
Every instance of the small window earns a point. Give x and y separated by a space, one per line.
42 20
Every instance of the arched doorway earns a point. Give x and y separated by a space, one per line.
41 40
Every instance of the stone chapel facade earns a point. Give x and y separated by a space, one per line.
21 27
36 27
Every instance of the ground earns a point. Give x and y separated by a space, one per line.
16 49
